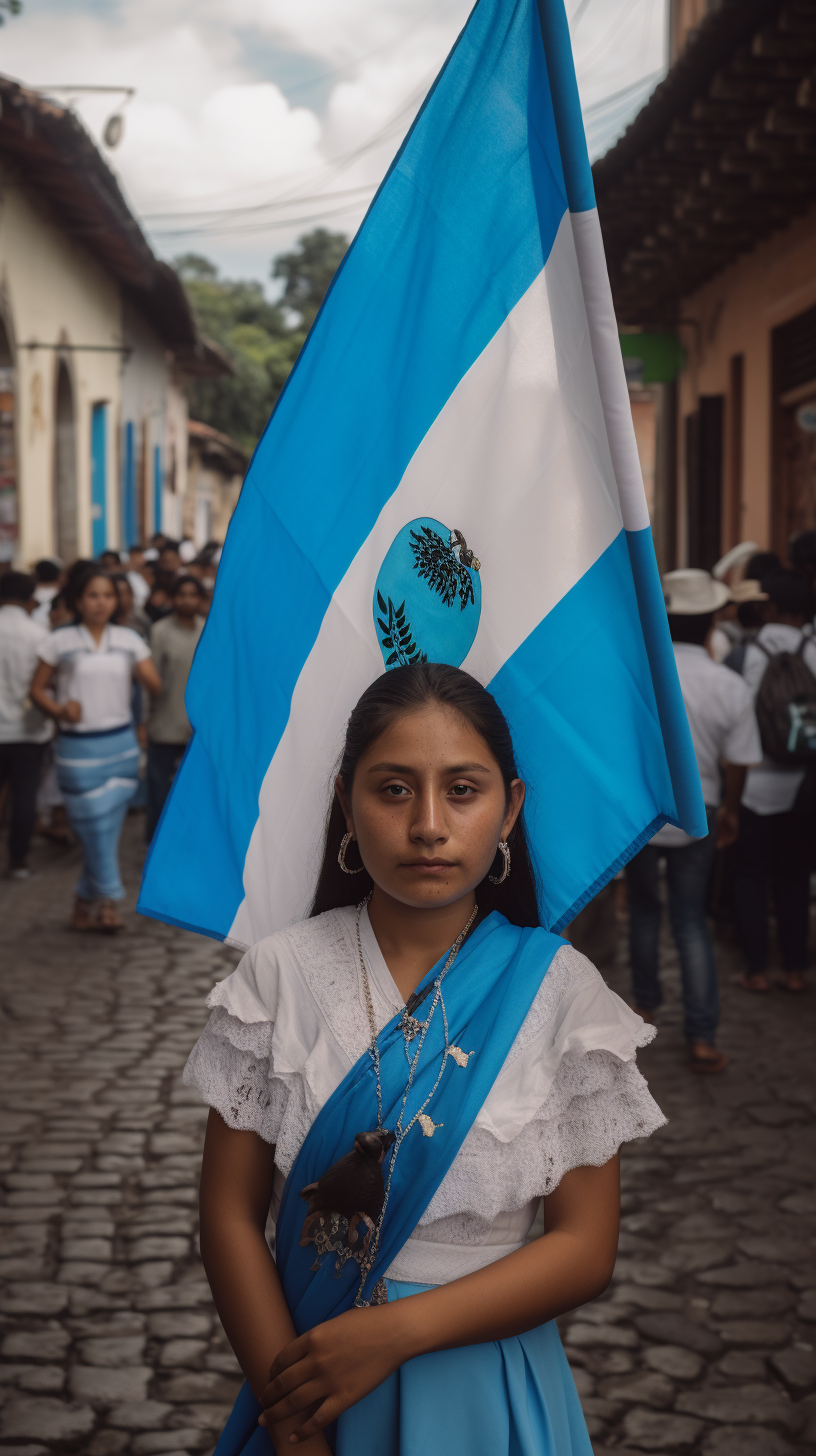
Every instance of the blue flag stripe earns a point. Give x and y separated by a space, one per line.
566 106
582 684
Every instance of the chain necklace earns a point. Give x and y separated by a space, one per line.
411 1028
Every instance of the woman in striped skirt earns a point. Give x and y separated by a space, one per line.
92 665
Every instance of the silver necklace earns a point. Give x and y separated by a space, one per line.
411 1028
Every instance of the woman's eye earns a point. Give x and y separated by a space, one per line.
461 790
396 790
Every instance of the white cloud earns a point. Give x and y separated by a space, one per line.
239 136
230 109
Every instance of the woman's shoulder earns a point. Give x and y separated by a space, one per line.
306 958
126 639
573 1014
57 643
574 1005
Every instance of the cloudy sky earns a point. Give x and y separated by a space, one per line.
253 120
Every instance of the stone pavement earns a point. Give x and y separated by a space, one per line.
108 1339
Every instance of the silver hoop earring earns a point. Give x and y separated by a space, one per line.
505 850
341 856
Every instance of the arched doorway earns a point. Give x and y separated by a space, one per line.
8 453
65 470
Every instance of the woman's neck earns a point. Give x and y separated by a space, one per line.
413 940
96 630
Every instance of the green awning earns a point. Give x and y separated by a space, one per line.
652 358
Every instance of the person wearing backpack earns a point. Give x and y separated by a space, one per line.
726 741
779 801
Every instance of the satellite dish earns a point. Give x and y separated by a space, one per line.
114 130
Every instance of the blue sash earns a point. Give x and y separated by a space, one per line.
488 992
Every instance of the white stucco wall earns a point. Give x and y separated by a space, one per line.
53 291
145 382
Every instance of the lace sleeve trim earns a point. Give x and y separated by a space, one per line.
232 1066
597 1102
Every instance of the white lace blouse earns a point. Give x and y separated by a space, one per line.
290 1022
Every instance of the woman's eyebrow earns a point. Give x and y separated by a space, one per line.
401 768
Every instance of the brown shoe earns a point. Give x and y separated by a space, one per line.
82 918
109 920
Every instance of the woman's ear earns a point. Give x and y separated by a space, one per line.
340 790
515 799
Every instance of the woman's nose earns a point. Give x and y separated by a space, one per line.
429 820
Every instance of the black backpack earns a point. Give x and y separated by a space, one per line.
786 708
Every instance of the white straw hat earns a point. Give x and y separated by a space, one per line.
734 560
693 593
747 591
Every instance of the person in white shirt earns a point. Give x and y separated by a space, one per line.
774 844
135 571
24 731
94 663
725 736
48 574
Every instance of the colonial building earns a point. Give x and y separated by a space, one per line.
216 467
708 208
97 343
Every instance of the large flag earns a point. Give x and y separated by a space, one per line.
450 471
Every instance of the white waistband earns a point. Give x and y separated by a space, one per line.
421 1262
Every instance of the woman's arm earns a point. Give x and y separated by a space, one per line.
70 712
145 673
234 1198
337 1363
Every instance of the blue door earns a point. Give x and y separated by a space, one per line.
157 488
130 524
99 477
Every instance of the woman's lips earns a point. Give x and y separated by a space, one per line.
429 866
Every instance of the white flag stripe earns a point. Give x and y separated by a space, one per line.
606 349
518 460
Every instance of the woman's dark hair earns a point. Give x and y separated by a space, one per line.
405 690
78 581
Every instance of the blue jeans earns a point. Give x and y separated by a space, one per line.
688 871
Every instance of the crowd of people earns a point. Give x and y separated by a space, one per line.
745 645
94 662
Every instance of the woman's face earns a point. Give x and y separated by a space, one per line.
428 808
98 602
124 595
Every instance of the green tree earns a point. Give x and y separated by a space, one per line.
309 271
261 339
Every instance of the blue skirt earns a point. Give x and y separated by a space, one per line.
511 1397
98 776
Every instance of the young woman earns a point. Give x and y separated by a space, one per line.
404 1077
97 756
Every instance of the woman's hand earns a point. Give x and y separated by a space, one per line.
333 1366
70 712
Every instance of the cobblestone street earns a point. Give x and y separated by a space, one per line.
704 1343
